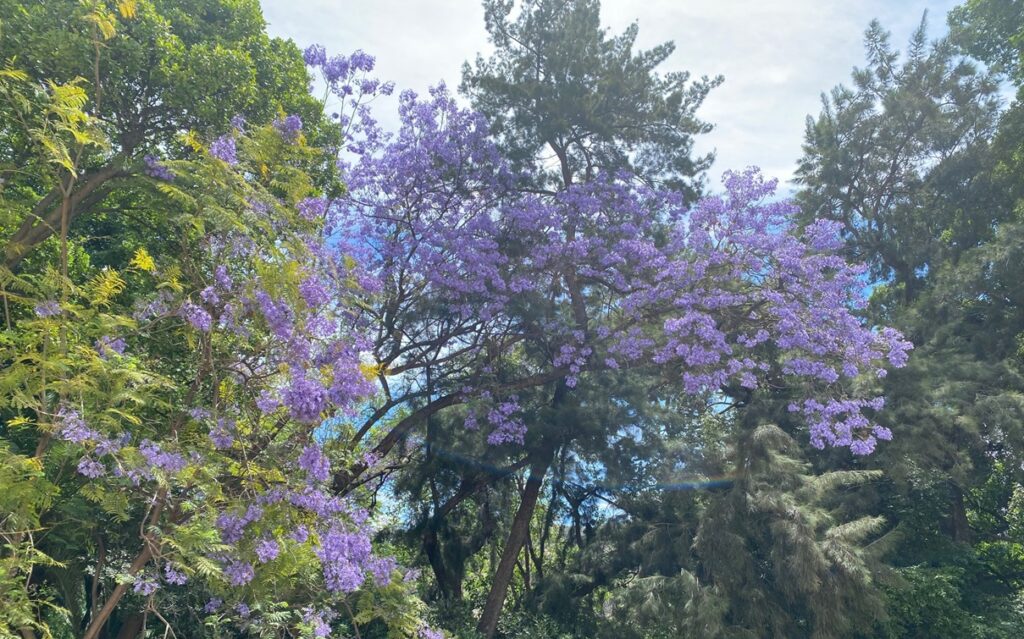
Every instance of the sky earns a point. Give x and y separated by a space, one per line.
777 56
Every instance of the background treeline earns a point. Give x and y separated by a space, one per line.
651 516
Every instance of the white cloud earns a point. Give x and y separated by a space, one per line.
777 57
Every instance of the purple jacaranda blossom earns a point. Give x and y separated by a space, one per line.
224 149
223 434
315 55
111 445
507 428
306 398
336 68
315 463
343 554
197 316
73 427
145 585
209 296
312 208
266 550
222 277
267 402
380 568
300 535
48 308
280 317
156 169
91 468
107 346
239 572
159 459
289 127
174 576
314 292
426 632
318 621
231 527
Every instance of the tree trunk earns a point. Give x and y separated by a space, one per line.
96 624
448 582
132 626
46 219
959 526
516 538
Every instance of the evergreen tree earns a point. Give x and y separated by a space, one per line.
900 158
558 85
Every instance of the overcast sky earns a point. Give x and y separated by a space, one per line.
777 56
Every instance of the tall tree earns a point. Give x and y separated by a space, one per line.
917 163
154 69
895 157
558 85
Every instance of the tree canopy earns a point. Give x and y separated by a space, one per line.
519 368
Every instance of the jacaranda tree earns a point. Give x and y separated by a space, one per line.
164 448
502 302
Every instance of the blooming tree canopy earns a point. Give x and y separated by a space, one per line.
312 334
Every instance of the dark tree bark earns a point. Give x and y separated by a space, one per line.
132 626
516 538
50 214
448 581
959 526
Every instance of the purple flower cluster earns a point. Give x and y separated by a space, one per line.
315 55
232 527
289 127
346 559
426 632
159 459
300 535
157 306
91 468
107 346
222 435
156 169
145 586
48 308
197 316
174 576
315 463
73 427
507 429
223 148
267 550
314 292
842 423
306 397
318 622
280 317
239 572
312 208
